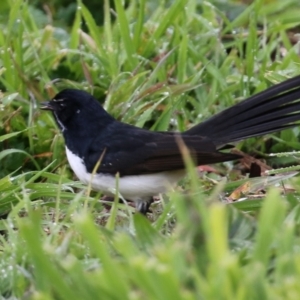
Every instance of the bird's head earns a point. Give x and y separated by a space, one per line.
72 108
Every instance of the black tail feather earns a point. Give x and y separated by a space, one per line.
272 110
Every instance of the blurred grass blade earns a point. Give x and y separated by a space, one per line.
270 220
9 135
125 33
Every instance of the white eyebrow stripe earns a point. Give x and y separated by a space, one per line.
58 100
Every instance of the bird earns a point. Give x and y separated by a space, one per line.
148 163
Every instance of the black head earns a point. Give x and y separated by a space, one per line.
75 109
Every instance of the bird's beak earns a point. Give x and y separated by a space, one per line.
46 106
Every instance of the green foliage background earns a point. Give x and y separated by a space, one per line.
162 65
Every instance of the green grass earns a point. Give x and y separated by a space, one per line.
161 65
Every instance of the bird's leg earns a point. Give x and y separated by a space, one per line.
142 205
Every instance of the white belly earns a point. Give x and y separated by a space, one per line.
132 187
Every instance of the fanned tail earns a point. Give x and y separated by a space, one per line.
272 110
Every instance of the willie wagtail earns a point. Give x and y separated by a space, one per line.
149 162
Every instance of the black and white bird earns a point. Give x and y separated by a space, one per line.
148 162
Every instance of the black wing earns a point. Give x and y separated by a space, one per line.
129 150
